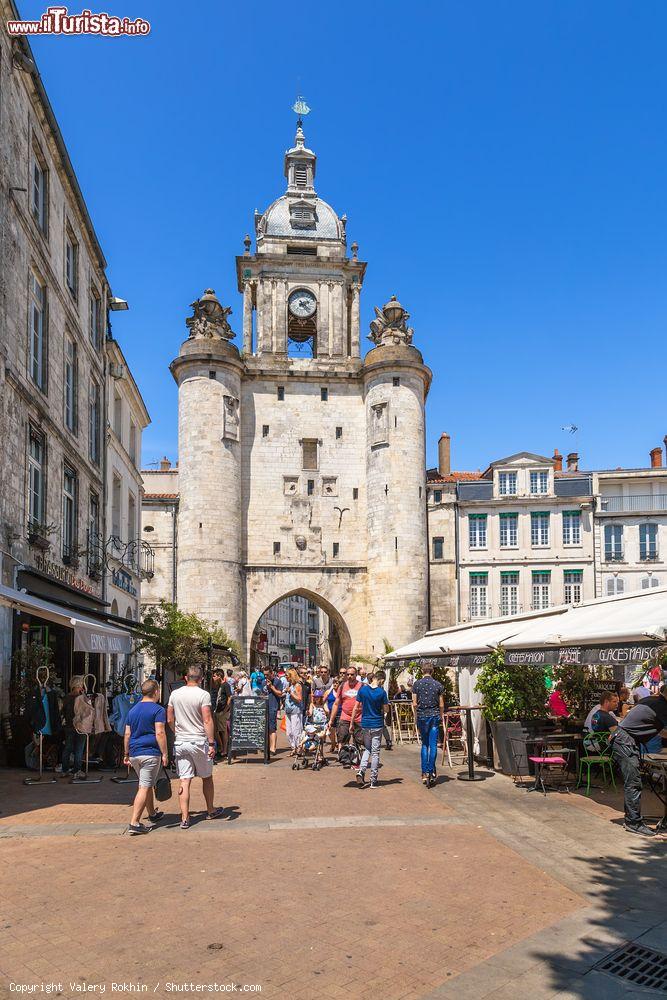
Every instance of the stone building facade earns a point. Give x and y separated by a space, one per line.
129 557
54 302
301 465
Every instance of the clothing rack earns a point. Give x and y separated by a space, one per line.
130 778
41 780
87 780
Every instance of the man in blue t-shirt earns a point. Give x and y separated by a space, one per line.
146 752
371 702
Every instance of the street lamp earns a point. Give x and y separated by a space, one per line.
117 305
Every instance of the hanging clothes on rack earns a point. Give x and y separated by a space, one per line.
122 704
43 712
90 714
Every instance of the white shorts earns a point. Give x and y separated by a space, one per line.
192 760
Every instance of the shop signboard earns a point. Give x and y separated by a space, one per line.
249 726
61 574
623 658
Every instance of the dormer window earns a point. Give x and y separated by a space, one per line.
507 484
539 481
302 215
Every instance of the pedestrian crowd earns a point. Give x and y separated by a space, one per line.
348 710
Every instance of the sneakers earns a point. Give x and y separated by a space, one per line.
80 775
156 817
361 778
374 783
641 828
136 829
424 778
59 769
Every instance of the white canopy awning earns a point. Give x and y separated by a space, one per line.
90 635
631 618
634 618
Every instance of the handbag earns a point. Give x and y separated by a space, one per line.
163 787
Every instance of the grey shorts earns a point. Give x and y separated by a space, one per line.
192 760
147 769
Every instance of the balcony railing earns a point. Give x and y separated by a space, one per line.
633 504
614 555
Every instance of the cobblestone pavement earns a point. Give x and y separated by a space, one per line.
311 887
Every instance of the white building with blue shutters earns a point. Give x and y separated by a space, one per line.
631 528
525 537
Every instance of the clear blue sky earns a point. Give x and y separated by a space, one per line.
502 164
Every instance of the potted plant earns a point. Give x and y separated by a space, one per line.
514 696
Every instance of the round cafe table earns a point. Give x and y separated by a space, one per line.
470 774
658 762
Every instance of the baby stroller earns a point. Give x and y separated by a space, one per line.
311 749
349 754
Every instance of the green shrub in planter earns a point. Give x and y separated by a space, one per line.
511 691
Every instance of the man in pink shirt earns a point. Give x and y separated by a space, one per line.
344 706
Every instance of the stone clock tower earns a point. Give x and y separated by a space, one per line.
301 465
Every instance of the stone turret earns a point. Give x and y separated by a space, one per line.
396 382
208 373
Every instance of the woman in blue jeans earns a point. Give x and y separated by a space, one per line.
428 703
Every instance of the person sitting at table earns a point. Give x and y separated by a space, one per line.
624 702
602 717
556 703
642 724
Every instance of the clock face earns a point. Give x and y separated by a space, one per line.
302 303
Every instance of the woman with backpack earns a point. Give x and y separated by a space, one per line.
294 703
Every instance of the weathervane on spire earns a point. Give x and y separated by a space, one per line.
300 108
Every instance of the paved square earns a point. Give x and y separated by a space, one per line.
311 887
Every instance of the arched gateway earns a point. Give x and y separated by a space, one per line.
301 466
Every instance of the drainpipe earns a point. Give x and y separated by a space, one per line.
173 555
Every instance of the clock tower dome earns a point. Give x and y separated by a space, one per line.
300 289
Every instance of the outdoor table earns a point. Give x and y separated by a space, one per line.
658 761
470 775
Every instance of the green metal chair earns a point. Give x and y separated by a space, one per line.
596 754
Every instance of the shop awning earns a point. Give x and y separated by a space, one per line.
609 629
90 635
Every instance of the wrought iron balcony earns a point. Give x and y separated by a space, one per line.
649 502
112 553
614 555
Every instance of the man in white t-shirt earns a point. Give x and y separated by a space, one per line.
189 715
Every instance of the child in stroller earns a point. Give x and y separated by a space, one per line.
313 738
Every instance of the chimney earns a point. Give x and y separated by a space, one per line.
444 455
165 464
664 441
558 461
573 462
656 458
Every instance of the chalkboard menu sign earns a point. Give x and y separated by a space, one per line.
249 726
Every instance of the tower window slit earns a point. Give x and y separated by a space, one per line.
276 548
336 549
339 432
265 430
355 493
324 394
281 393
